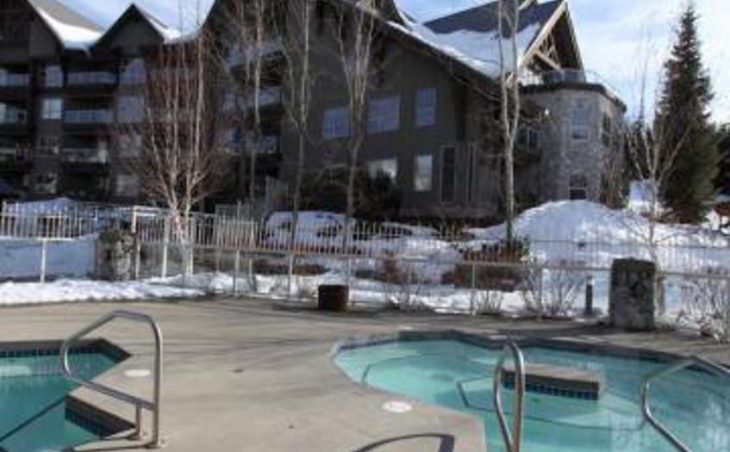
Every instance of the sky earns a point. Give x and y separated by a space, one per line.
617 38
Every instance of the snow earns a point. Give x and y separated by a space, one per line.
478 50
42 207
72 36
64 291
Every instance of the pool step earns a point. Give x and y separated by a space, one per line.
556 381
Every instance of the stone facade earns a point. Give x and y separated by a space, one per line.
631 299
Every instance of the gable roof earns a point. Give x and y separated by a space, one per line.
72 30
164 32
472 36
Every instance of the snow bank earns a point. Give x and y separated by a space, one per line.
63 291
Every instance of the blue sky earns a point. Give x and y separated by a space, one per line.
616 36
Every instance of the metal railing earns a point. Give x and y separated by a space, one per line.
513 438
139 403
702 363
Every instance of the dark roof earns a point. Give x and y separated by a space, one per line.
483 18
65 14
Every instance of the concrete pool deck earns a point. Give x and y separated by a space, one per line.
250 375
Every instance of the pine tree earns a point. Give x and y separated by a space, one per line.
723 178
685 124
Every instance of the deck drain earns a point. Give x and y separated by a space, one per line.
397 407
137 373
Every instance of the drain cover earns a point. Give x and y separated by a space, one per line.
397 407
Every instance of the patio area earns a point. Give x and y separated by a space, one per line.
250 375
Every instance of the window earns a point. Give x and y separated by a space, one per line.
130 109
426 107
448 173
126 185
606 130
580 119
53 109
472 158
384 115
53 77
423 173
384 167
528 138
578 187
48 145
134 73
336 123
130 145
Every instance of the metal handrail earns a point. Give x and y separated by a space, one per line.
139 403
705 364
512 439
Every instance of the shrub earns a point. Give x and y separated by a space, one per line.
487 302
706 304
552 292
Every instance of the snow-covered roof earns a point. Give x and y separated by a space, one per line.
72 29
167 32
472 36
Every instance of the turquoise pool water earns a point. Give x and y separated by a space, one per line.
458 375
33 414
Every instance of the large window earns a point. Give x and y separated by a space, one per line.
426 107
53 77
580 119
384 115
52 109
578 187
134 73
448 173
384 167
423 173
130 109
336 123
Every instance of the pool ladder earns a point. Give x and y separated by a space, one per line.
512 438
154 405
702 363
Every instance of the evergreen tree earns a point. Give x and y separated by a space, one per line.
723 178
685 126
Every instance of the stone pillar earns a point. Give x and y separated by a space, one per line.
631 299
114 255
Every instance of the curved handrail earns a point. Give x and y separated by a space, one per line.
512 439
676 367
139 403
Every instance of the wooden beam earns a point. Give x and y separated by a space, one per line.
547 60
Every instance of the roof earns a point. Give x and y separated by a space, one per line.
472 36
166 33
73 30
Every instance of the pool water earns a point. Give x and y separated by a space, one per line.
33 414
454 374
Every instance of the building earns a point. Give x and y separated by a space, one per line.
432 120
432 124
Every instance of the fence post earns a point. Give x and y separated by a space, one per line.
236 267
290 272
133 225
165 246
44 252
472 306
137 258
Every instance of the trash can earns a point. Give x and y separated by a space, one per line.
334 298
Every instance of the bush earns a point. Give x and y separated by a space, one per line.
552 292
706 304
487 302
482 269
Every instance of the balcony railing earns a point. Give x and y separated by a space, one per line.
88 117
570 76
85 155
268 96
14 80
92 78
12 155
13 117
266 146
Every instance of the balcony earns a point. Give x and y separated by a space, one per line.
91 78
268 145
268 97
567 77
88 117
14 160
12 81
85 160
13 121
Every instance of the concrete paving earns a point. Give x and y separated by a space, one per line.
244 375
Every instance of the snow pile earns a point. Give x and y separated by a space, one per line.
42 207
73 291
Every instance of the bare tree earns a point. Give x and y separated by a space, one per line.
354 33
244 34
508 18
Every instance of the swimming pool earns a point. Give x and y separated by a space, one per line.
457 374
34 413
